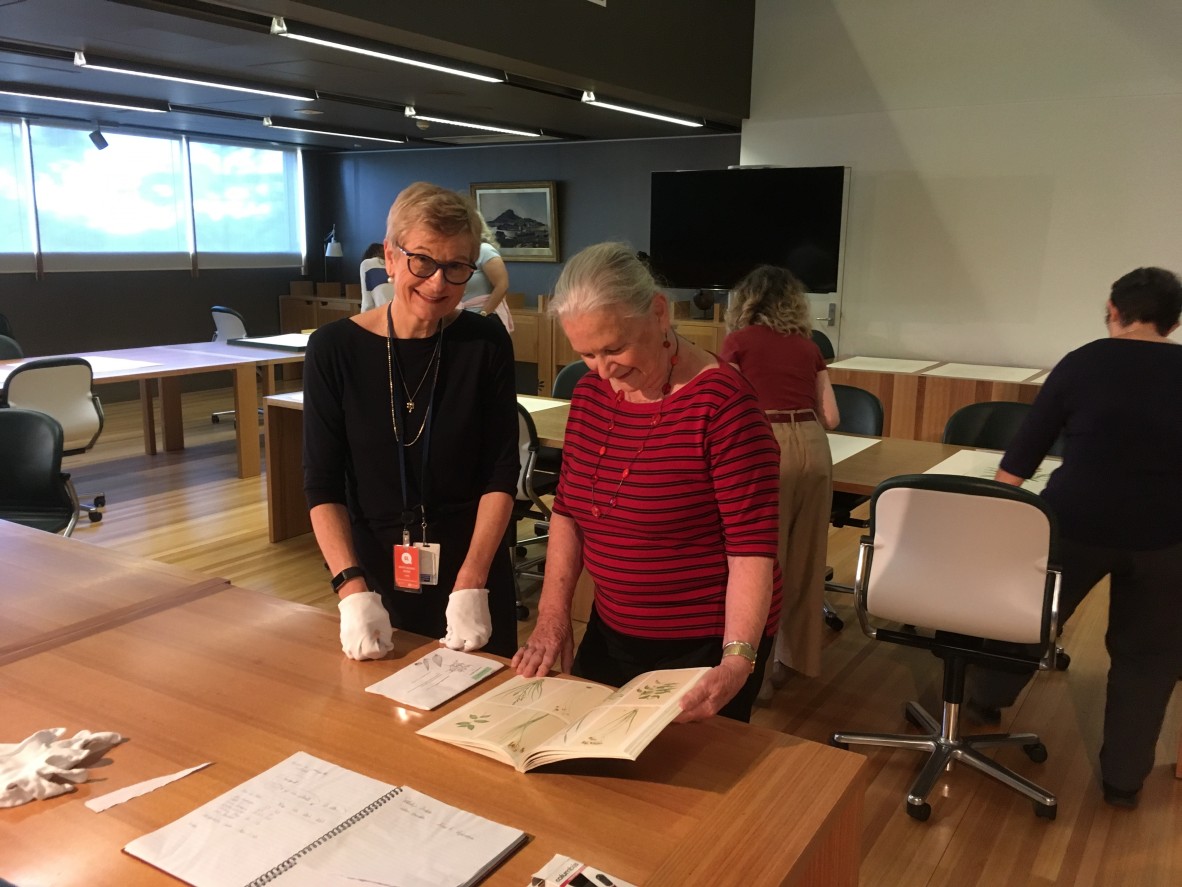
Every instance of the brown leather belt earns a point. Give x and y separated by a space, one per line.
791 417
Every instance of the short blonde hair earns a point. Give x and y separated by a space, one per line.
770 296
447 213
604 275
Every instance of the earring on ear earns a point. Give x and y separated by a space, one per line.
390 280
666 344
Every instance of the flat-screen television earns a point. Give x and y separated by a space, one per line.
709 227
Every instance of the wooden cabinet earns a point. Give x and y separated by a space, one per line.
707 334
299 313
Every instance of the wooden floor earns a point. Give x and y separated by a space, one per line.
190 509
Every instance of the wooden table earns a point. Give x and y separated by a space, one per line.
244 680
166 364
865 470
56 589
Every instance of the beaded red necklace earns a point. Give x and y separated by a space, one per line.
656 419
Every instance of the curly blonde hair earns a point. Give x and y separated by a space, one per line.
770 296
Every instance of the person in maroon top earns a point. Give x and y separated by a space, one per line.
770 342
667 496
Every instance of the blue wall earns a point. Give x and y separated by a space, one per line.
602 187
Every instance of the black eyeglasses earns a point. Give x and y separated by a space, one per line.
425 266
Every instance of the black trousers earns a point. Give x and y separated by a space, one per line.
1144 641
612 658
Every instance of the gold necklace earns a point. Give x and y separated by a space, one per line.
436 358
410 398
596 511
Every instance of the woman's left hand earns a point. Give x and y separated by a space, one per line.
716 688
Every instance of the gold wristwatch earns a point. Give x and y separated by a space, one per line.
740 648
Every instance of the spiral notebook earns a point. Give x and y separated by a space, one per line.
309 823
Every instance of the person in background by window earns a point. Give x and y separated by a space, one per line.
770 341
375 282
485 293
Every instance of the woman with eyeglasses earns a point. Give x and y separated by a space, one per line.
410 445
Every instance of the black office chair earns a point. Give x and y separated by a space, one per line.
33 489
5 326
972 564
861 413
10 348
227 324
991 426
532 484
61 387
824 344
568 377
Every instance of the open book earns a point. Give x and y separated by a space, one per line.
528 722
308 823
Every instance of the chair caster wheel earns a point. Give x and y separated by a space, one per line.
1036 751
94 516
919 812
100 501
1062 660
522 612
836 744
834 621
1045 811
217 420
520 551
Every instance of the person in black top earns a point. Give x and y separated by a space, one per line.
410 445
1118 403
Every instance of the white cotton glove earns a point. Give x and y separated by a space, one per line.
469 625
45 765
365 626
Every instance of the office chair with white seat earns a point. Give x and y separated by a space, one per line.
61 387
972 565
227 324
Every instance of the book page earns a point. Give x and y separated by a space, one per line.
518 716
431 680
627 721
412 840
242 834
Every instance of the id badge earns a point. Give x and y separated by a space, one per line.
428 562
406 568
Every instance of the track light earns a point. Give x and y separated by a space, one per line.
299 126
411 112
589 99
115 66
97 100
98 139
334 40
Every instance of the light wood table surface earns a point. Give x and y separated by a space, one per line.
244 680
55 590
866 469
167 364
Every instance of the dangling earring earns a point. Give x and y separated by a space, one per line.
666 343
390 280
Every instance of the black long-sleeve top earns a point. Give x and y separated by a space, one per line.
1119 405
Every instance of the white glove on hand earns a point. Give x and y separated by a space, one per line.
365 626
45 765
469 625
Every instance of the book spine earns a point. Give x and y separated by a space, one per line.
268 877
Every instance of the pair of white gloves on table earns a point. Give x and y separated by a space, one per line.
366 632
45 765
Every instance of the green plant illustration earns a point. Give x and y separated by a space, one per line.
622 723
472 721
656 691
518 733
530 691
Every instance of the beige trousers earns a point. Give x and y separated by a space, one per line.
806 494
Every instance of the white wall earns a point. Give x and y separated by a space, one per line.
1010 160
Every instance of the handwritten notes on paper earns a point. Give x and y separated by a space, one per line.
435 678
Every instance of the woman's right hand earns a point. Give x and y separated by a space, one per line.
551 642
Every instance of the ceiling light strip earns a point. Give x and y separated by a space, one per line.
296 126
332 40
412 113
115 66
590 99
81 98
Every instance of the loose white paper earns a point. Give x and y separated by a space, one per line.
110 799
842 446
537 404
984 463
882 364
101 364
430 681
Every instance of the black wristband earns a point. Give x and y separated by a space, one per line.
345 575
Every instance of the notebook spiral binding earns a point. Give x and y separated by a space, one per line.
268 877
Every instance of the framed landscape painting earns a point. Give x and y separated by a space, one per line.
523 216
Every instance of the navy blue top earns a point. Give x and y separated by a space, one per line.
1119 405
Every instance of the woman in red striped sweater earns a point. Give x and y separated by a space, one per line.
668 497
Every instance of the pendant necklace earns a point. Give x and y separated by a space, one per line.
391 362
596 510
